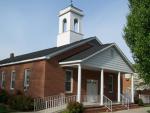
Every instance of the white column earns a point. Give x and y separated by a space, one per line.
102 87
119 87
79 84
132 88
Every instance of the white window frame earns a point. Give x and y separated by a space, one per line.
76 25
2 79
64 25
71 81
25 78
12 79
112 83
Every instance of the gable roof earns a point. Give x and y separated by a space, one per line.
85 55
44 54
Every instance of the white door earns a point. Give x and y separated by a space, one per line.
92 90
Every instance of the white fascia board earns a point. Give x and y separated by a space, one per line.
97 53
58 52
23 61
98 40
70 62
122 54
124 57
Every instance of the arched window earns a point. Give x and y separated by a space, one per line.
76 29
64 25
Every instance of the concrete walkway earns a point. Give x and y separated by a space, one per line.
137 110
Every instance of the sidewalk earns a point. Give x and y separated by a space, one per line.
137 110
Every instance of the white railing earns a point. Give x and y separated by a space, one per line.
145 98
124 101
107 103
53 104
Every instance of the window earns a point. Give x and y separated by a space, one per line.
76 25
68 81
110 84
13 78
2 80
27 78
64 25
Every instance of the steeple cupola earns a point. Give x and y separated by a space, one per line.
70 25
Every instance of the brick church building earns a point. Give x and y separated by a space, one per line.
76 66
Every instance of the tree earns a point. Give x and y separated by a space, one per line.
137 36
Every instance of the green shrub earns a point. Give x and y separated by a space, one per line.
148 111
140 102
3 96
74 107
21 103
4 109
136 101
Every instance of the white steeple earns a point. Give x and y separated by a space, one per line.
70 25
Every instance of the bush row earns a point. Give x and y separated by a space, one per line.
18 102
74 107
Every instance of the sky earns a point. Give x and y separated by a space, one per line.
31 25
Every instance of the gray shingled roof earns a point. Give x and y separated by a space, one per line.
42 53
82 55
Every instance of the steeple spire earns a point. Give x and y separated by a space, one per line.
71 2
70 25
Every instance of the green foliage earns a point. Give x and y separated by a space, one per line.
3 96
140 102
137 36
21 103
74 107
148 111
4 109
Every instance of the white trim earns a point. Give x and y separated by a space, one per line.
97 53
71 80
25 78
50 55
12 79
69 62
3 79
73 46
79 83
23 61
102 87
124 57
119 86
68 65
119 50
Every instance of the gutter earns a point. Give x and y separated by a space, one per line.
23 61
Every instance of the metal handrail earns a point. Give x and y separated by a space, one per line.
124 101
53 104
107 103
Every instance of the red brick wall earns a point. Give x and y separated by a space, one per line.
54 79
126 83
95 75
37 77
112 96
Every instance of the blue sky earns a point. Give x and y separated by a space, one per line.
31 25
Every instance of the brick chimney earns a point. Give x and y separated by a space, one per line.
11 55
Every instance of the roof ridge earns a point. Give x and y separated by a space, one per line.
45 52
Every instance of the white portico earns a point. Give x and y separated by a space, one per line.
108 60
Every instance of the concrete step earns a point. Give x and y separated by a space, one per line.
116 107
